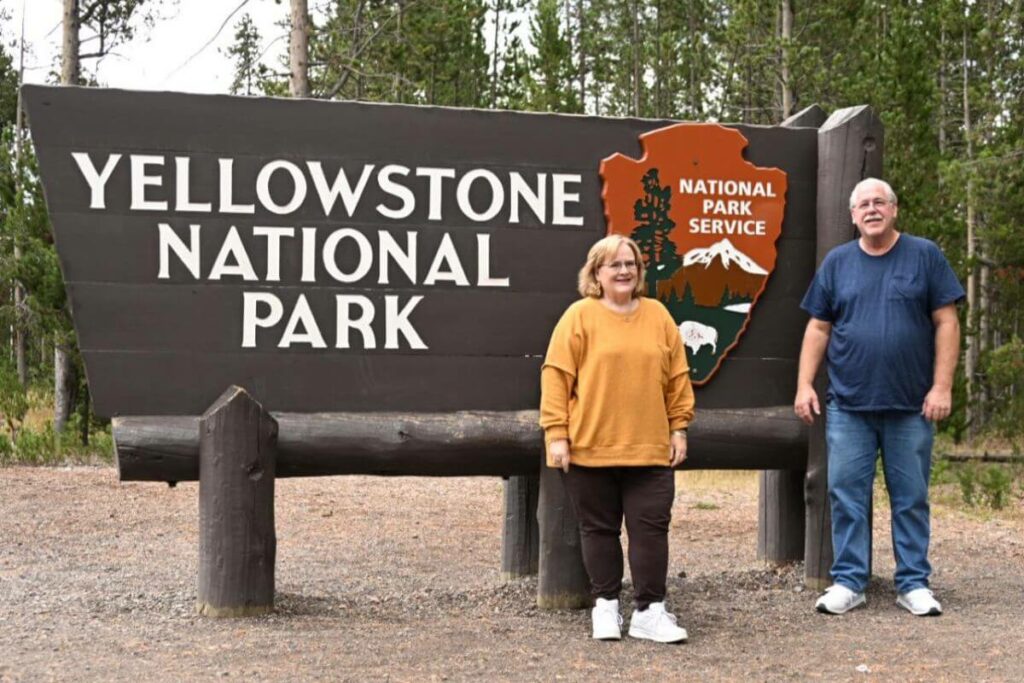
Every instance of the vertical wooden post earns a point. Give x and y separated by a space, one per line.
780 514
849 150
562 581
237 543
520 535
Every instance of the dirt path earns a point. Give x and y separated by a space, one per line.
397 579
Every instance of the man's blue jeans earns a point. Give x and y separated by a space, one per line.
905 440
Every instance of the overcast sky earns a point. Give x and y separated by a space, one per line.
170 56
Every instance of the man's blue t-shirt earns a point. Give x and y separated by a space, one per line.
881 354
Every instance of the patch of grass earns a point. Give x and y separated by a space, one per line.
705 505
977 486
717 480
42 446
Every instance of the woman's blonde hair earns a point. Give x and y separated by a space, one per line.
603 251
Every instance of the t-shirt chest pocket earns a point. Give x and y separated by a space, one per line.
906 288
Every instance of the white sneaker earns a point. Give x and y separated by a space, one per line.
920 602
839 599
606 620
654 623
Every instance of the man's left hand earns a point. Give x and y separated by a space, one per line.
937 404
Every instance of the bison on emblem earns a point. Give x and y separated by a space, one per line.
696 335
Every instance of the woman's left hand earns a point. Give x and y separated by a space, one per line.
678 448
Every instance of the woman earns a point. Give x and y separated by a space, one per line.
616 400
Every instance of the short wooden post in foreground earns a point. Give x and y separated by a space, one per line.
237 543
520 535
562 581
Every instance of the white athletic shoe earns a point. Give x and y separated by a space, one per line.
606 620
920 602
654 623
839 599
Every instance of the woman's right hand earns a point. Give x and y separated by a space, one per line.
559 452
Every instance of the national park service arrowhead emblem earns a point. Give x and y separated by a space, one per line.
706 221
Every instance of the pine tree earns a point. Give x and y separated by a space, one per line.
652 232
246 55
550 75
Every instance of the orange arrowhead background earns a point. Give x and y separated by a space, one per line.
712 291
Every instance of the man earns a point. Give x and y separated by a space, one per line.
884 308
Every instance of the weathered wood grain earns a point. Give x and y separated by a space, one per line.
237 541
520 535
165 448
562 581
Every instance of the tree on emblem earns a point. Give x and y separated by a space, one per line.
652 231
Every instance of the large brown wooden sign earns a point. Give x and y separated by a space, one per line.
353 257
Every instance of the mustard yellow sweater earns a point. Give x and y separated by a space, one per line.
615 384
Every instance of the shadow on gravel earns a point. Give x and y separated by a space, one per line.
297 605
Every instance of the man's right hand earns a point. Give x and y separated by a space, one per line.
806 405
559 452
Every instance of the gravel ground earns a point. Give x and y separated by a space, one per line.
398 579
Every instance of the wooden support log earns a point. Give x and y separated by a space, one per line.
562 581
520 535
780 518
166 448
849 150
237 543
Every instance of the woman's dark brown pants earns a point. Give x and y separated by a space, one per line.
601 496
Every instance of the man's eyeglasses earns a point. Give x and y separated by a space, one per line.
619 265
876 203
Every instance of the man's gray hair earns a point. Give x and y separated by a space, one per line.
872 181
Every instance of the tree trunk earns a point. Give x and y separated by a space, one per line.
494 59
692 84
69 51
19 290
659 72
298 50
63 370
636 59
65 379
942 96
787 37
85 417
357 37
581 40
971 338
398 35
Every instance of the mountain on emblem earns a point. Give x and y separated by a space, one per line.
711 273
706 222
726 253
